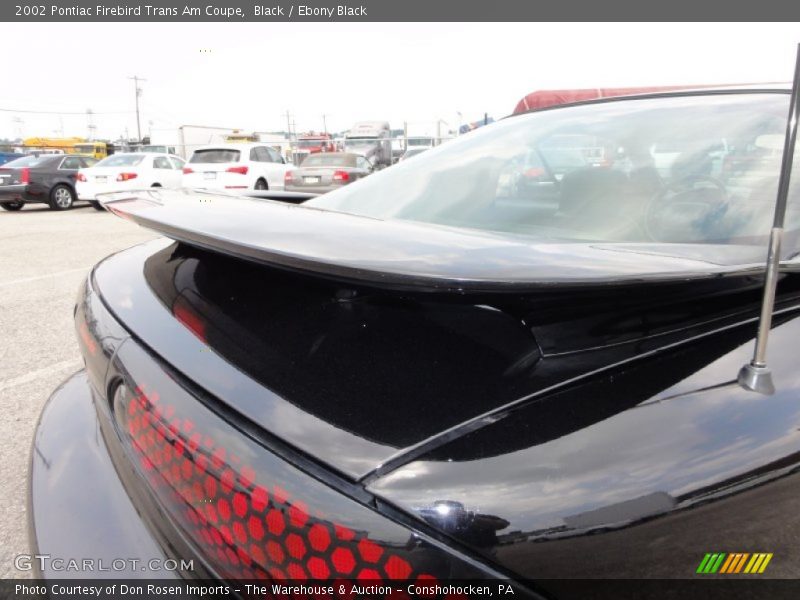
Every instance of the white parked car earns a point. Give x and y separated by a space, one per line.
235 167
129 171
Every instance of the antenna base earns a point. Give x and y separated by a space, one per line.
756 379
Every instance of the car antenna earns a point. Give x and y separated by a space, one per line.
756 376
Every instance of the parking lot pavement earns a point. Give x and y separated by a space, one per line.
45 256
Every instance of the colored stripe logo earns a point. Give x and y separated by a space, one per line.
734 562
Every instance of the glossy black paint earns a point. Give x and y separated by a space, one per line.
636 370
79 508
281 195
414 256
314 368
43 178
244 449
99 335
90 412
633 473
329 330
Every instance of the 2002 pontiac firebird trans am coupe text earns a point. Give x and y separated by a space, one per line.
515 359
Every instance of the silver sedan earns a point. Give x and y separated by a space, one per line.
327 171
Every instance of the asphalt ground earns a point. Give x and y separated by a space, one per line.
44 257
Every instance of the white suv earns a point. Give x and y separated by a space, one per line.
235 167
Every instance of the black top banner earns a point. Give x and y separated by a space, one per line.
400 10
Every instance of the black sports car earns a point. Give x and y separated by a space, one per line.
43 178
438 374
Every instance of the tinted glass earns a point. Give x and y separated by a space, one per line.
216 155
71 162
365 141
161 162
121 160
177 163
261 154
161 149
692 169
330 160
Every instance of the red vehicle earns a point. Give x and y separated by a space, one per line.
547 98
313 143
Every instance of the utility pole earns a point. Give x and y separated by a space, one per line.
19 125
136 81
324 123
289 124
289 134
90 126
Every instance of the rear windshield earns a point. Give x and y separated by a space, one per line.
161 149
330 160
216 155
121 160
32 161
694 169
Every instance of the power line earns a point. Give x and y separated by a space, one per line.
61 112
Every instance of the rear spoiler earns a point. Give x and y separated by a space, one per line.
407 255
291 197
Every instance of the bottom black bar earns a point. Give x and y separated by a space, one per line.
711 588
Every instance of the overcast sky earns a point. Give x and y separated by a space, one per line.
247 75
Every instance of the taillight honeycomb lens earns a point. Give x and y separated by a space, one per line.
243 522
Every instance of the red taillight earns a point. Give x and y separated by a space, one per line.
341 176
25 175
187 170
239 170
126 176
80 176
288 177
91 346
534 172
189 318
243 520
